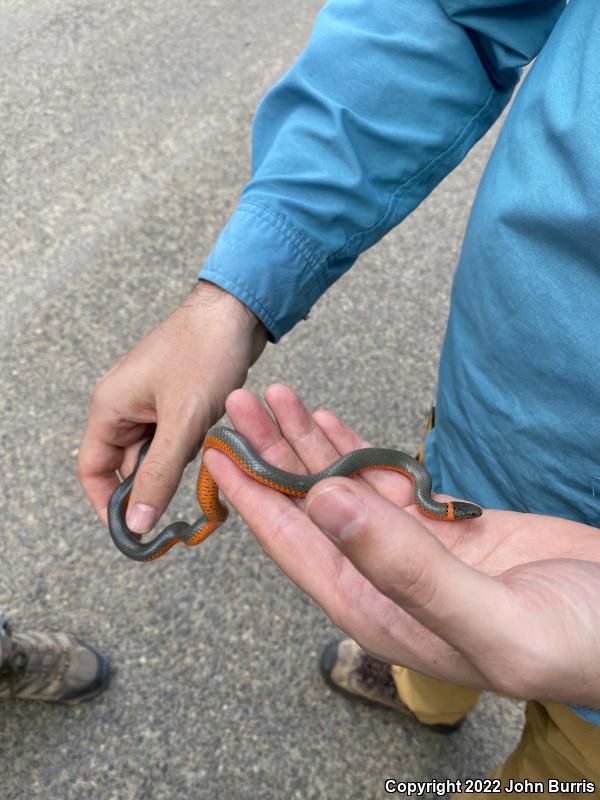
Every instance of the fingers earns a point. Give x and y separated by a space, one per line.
321 438
317 566
282 529
305 437
393 485
250 418
99 458
284 532
400 557
177 378
112 442
160 473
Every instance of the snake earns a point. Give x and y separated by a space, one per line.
239 449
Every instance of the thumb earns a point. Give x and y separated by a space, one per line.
408 564
159 475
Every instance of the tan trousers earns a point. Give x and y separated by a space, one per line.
556 743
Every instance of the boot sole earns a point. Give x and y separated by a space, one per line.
97 686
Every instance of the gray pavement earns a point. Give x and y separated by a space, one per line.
124 142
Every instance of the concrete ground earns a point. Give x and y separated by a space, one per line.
125 131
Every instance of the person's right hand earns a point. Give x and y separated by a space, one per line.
508 602
174 381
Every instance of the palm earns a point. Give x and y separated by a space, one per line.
503 539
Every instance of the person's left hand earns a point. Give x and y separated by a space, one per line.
508 602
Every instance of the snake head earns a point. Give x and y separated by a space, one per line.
462 510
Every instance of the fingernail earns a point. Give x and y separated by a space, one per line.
140 517
340 512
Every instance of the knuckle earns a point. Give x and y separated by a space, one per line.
82 466
159 473
416 583
305 432
99 387
326 415
98 393
338 614
287 524
345 597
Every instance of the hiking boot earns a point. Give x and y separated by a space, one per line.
50 667
348 669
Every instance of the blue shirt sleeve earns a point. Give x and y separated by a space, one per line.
386 99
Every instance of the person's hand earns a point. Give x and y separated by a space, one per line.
174 381
508 602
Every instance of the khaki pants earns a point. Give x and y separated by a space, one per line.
556 743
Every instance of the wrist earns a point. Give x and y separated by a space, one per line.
209 297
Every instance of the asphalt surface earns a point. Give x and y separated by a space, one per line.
125 140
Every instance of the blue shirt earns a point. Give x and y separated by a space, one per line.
388 97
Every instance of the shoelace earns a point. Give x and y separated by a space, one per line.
376 674
32 664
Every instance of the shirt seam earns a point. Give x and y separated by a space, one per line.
461 136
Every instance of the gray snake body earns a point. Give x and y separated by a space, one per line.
239 450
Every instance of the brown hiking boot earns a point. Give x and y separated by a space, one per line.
348 669
50 667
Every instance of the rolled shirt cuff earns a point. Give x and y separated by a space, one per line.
268 264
